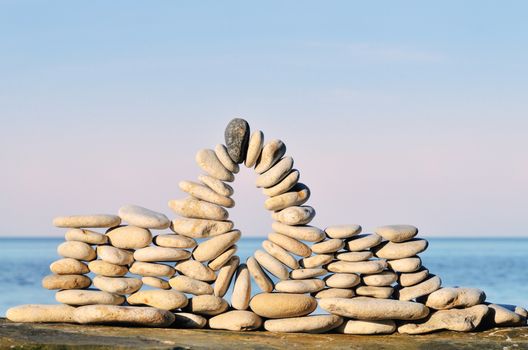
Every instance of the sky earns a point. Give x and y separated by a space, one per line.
394 111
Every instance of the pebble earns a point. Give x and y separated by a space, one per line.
411 278
342 231
209 162
79 297
294 215
104 268
155 282
117 285
335 293
129 237
256 142
364 308
460 320
391 250
216 185
189 285
209 305
328 246
262 280
153 254
301 232
406 265
342 280
275 174
362 327
271 153
196 209
201 228
76 250
316 260
284 185
138 216
375 292
236 320
188 320
282 305
274 266
161 299
88 221
86 236
115 255
354 256
66 282
206 194
296 196
397 233
503 317
280 254
41 313
241 289
382 279
428 286
174 241
448 298
129 315
69 266
225 275
363 267
237 139
290 244
147 269
363 242
301 274
307 324
213 247
300 286
225 159
196 270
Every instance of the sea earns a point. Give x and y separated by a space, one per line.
496 265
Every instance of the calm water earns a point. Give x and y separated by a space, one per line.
496 265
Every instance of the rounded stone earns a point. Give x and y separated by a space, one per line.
174 241
362 242
197 209
334 293
188 320
405 265
87 221
200 228
69 266
328 246
342 280
428 286
153 254
86 236
282 305
342 231
237 139
354 256
225 159
363 267
382 279
290 244
216 185
363 308
117 285
79 297
225 275
41 313
66 282
115 255
104 268
76 250
262 280
300 286
274 266
161 299
209 162
363 327
129 237
236 320
129 315
391 250
275 174
151 269
502 317
301 274
316 260
206 194
271 153
196 270
213 247
448 298
155 282
223 258
412 278
209 305
256 141
300 232
241 289
138 216
280 254
189 285
283 185
375 292
397 233
296 196
296 215
307 324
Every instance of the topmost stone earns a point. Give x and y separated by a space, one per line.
237 139
143 217
397 233
87 221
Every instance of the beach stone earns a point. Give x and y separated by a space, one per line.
328 246
241 289
519 310
237 139
272 265
306 324
334 293
503 317
216 185
391 250
69 266
188 320
363 267
104 268
196 209
262 280
151 269
412 278
428 286
363 327
225 275
66 282
405 265
206 194
316 260
300 286
382 279
342 231
282 305
375 292
397 233
209 305
275 174
129 315
213 247
256 142
342 280
76 250
354 256
195 269
200 228
161 299
283 185
460 320
153 254
362 242
364 308
223 258
115 255
225 159
86 236
87 221
297 215
301 274
236 320
79 297
209 162
189 285
145 218
280 254
117 285
129 237
155 282
174 241
296 196
271 153
290 244
448 298
41 313
300 232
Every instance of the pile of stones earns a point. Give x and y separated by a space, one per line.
370 283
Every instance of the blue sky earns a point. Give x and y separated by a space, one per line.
394 111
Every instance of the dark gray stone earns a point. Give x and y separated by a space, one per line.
237 139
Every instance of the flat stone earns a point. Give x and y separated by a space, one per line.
225 275
241 289
412 278
225 159
104 268
195 269
138 216
363 267
307 324
423 288
362 242
148 269
502 317
262 280
174 241
86 236
216 185
328 246
161 299
130 315
117 285
301 274
334 293
69 266
354 256
155 282
362 327
342 231
129 237
270 154
209 162
223 258
300 232
316 260
391 250
280 254
296 215
196 209
76 250
206 194
375 292
296 196
154 254
256 142
213 247
397 233
189 285
87 221
115 255
188 320
236 320
300 286
79 297
405 265
274 266
290 244
40 313
363 308
284 185
201 228
342 280
275 174
66 282
209 305
448 298
237 139
282 305
382 279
